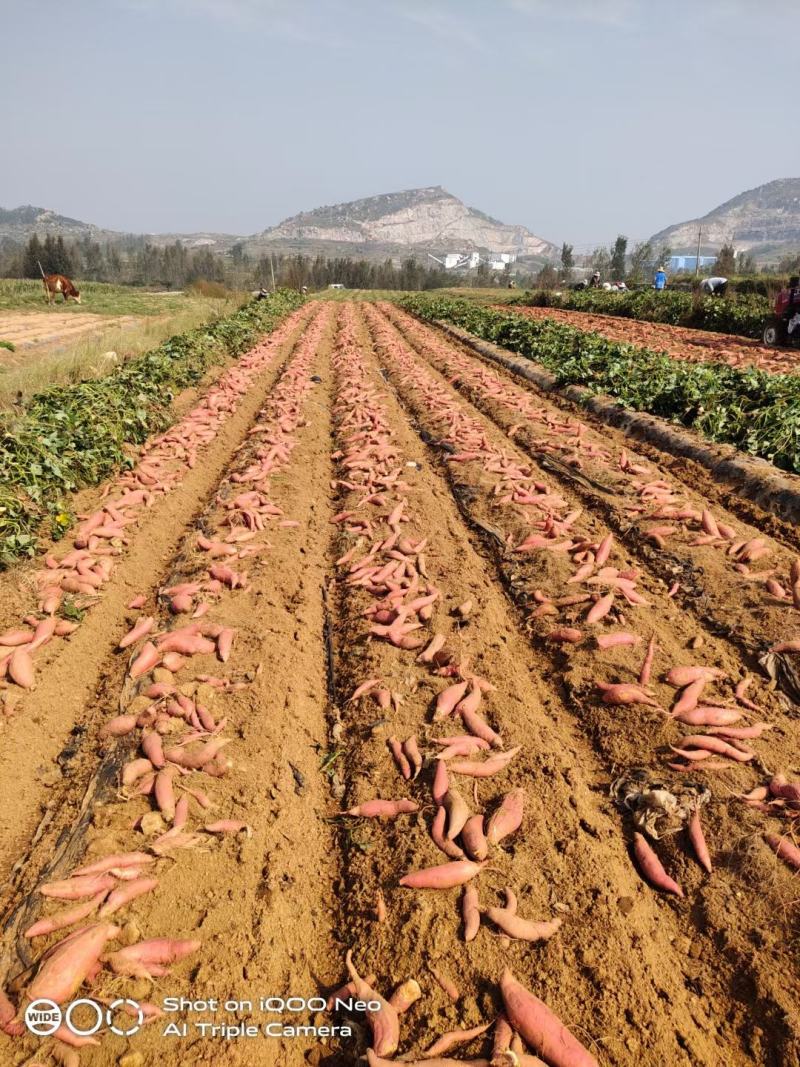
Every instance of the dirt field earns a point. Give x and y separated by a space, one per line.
29 329
355 486
679 341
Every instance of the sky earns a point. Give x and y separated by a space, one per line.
579 119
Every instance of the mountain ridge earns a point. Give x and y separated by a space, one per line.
763 221
425 219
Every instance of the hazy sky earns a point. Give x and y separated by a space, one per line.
576 118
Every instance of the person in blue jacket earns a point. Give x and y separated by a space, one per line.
660 279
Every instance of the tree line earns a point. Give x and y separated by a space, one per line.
617 264
136 261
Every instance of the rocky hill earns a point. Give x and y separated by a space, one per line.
764 222
20 223
429 218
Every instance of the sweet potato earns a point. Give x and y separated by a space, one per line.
470 912
521 929
454 1038
147 959
474 838
142 627
480 728
447 700
488 767
63 971
381 809
148 658
66 918
698 841
383 1021
20 668
443 876
600 608
651 867
450 848
615 640
380 1061
507 818
457 812
78 887
115 861
119 726
118 898
541 1028
784 848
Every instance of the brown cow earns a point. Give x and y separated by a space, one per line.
60 283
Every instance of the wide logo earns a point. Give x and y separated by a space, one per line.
84 1017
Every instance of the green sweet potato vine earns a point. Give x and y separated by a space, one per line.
757 412
74 436
742 315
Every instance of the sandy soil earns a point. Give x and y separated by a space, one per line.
679 341
640 977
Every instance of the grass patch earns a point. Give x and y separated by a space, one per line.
757 412
96 297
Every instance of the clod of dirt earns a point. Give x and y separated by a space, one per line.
299 780
132 1059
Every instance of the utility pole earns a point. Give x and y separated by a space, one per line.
697 261
272 271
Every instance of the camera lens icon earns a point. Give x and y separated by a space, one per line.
43 1017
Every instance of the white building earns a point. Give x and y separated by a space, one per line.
500 260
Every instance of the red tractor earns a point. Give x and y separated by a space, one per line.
783 329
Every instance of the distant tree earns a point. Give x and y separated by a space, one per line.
725 265
601 261
567 263
205 266
94 263
114 264
32 257
618 253
65 264
482 275
641 263
746 265
548 277
790 264
662 257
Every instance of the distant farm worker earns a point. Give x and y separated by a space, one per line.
714 286
594 281
660 279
